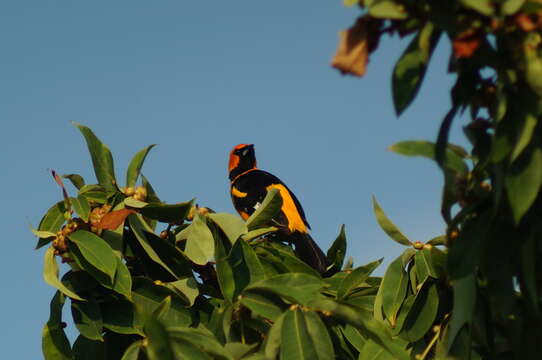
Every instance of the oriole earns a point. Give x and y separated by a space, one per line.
249 186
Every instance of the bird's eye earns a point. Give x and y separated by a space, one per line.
244 152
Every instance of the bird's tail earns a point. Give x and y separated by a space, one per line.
307 250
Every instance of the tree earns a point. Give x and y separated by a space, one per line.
212 286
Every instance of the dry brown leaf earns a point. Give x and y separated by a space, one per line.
114 219
466 43
355 45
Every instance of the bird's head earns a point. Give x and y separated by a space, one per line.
242 158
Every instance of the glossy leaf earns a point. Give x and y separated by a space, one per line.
81 206
387 9
410 69
122 283
319 335
418 314
147 296
393 288
76 180
101 158
233 226
523 183
94 193
132 352
337 251
464 303
200 245
424 265
266 211
371 350
356 278
51 222
484 7
265 305
187 287
296 342
88 319
119 316
132 173
55 344
202 340
50 274
168 213
273 342
87 349
389 227
139 227
301 288
527 131
427 149
159 346
96 251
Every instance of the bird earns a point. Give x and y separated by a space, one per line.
249 186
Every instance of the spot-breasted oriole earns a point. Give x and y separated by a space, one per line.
249 186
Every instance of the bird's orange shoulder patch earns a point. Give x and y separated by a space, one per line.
295 221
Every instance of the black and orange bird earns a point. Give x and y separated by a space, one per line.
249 186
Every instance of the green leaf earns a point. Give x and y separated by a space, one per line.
466 249
158 346
132 352
88 319
45 237
96 251
185 350
224 272
87 349
526 135
187 287
484 7
410 69
270 207
167 213
424 265
389 227
102 160
254 234
133 203
122 283
51 222
202 340
523 182
387 9
371 350
337 251
295 338
76 180
273 341
81 206
147 296
233 226
282 258
427 149
119 316
300 288
50 274
200 245
94 193
438 240
350 3
132 173
463 308
510 7
319 335
393 287
354 337
418 314
139 227
265 305
55 345
356 278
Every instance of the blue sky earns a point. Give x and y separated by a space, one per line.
197 78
